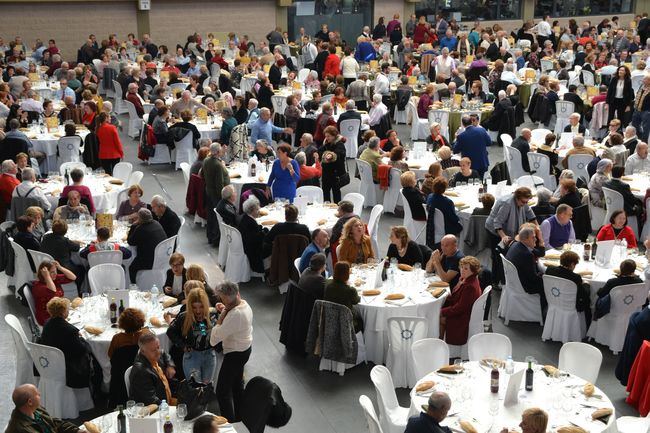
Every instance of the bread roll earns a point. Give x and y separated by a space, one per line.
571 429
423 386
438 284
467 426
155 321
404 267
455 369
601 413
76 302
550 370
394 297
322 221
371 292
263 212
152 408
437 292
91 427
234 175
94 330
220 420
168 301
588 389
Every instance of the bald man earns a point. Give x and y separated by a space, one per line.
444 262
29 417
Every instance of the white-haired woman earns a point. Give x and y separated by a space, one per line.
252 234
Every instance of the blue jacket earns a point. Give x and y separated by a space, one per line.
365 52
263 130
450 43
311 249
423 423
473 143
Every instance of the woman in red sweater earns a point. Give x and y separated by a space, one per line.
51 276
617 229
456 312
110 146
332 63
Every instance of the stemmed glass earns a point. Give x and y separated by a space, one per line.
493 410
130 408
181 413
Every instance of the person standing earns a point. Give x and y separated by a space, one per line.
333 162
620 96
216 177
110 146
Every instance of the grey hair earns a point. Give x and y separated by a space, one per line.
631 128
146 338
265 110
144 214
526 233
262 142
251 204
253 101
228 289
7 165
350 105
227 192
301 158
439 400
215 148
578 141
204 142
107 106
567 174
543 195
226 111
502 94
28 174
308 136
158 199
373 143
376 97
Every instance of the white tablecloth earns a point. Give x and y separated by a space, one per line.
639 183
240 171
376 311
46 89
108 423
314 214
104 193
471 399
247 83
47 143
210 130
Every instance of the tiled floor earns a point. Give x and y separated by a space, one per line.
322 402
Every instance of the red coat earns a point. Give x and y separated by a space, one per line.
42 295
135 100
110 146
458 309
606 233
332 66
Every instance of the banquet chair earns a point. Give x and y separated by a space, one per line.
540 165
631 424
392 416
506 139
69 289
438 224
161 155
442 118
530 181
414 228
104 257
127 381
613 202
392 196
515 303
146 278
29 298
24 370
563 109
238 268
539 135
119 198
296 264
429 354
313 193
120 107
578 164
563 322
588 78
399 116
597 216
222 255
402 333
373 227
350 130
302 74
135 178
357 200
23 272
185 151
67 167
185 168
135 122
367 187
106 276
580 359
179 235
68 149
419 127
122 171
370 414
513 162
475 323
489 345
637 82
611 328
58 399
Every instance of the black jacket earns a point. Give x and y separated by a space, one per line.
629 200
628 92
349 115
578 103
253 239
582 296
581 129
169 282
262 404
286 228
335 169
525 262
228 212
275 76
144 384
415 200
319 63
617 281
145 237
60 248
169 222
12 146
523 147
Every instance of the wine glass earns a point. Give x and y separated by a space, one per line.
181 413
493 410
130 408
140 410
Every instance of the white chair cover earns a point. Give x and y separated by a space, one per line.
532 182
392 196
540 165
414 228
127 380
69 166
185 152
475 323
22 270
439 225
122 171
367 187
419 127
506 139
222 255
373 226
538 135
631 424
119 107
107 276
135 178
39 257
156 275
579 163
357 200
610 329
489 345
402 333
597 215
513 161
392 416
515 303
637 81
58 399
340 367
103 257
350 130
238 267
185 168
302 74
24 370
135 122
313 193
563 323
429 354
370 414
588 78
441 117
563 109
27 291
68 149
580 359
399 116
161 155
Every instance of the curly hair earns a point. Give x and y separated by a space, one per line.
472 262
58 307
349 226
131 320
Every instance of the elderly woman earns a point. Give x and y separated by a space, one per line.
456 312
437 200
397 159
77 177
434 171
309 174
436 140
229 123
324 120
391 141
198 164
338 290
414 197
36 215
234 330
533 420
263 151
617 229
311 82
50 277
403 248
602 175
293 112
58 333
252 234
285 174
446 161
426 99
543 209
569 194
175 278
355 245
495 75
487 200
129 208
131 322
466 174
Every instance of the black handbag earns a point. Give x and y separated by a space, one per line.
196 396
343 179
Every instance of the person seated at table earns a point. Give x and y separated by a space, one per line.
638 162
402 247
435 411
614 128
414 197
523 254
145 234
167 218
312 278
186 117
446 161
476 92
129 208
436 140
74 210
186 102
598 180
320 240
344 212
58 333
25 236
253 234
444 261
77 176
533 420
397 159
487 200
132 323
290 226
574 125
437 200
226 206
617 229
50 277
377 111
57 245
175 278
29 416
355 245
151 372
22 160
578 148
466 174
631 204
102 243
557 230
457 309
263 151
568 262
28 188
391 141
569 194
338 290
284 174
372 155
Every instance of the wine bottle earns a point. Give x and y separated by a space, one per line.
594 246
120 310
384 272
121 419
529 376
494 380
113 311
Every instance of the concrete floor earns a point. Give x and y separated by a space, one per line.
322 401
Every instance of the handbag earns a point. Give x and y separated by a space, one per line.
196 396
343 179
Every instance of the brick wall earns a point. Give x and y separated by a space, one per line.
68 23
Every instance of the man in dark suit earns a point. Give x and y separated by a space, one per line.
226 206
308 147
145 234
572 96
522 144
473 143
574 125
630 139
167 218
568 262
312 280
435 411
291 226
15 142
631 204
151 372
523 254
252 234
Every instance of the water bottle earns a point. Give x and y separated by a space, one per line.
510 365
487 181
163 411
154 295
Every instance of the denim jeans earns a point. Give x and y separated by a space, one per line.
200 364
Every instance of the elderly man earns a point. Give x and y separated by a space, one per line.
62 72
186 102
165 216
320 240
151 372
638 161
63 91
30 103
372 155
358 91
344 212
630 140
263 127
350 113
509 74
523 254
522 144
312 280
574 125
73 210
29 416
445 261
157 105
435 411
579 148
70 111
557 230
28 188
444 64
145 234
133 97
8 182
253 112
216 177
308 147
377 111
253 235
226 206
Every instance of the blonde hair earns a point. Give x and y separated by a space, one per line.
401 233
537 417
347 228
196 295
34 211
57 307
196 272
408 179
192 284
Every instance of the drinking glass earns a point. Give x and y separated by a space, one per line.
181 412
140 410
130 408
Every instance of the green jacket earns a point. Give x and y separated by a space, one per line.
21 423
216 177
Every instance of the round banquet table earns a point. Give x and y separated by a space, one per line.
104 193
46 89
471 398
247 83
108 423
456 115
238 171
316 215
376 311
47 143
94 312
639 183
211 129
